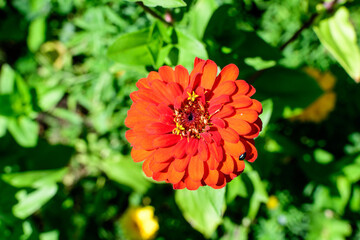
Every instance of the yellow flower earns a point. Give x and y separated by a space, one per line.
272 202
139 223
319 110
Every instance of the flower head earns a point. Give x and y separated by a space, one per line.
139 223
194 129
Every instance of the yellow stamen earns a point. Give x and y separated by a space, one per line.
178 128
192 96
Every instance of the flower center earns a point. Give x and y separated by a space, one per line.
192 118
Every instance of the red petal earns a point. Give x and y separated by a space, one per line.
226 88
226 111
157 167
192 147
228 73
160 176
163 154
182 76
191 184
196 168
143 83
251 152
167 74
173 175
218 122
219 100
198 60
166 140
240 126
229 134
239 165
206 136
255 129
209 75
241 101
248 115
242 87
198 68
216 151
228 165
212 177
203 150
216 136
158 128
161 92
251 91
153 75
175 90
181 164
194 82
146 167
165 110
180 148
256 106
179 185
234 149
139 155
213 164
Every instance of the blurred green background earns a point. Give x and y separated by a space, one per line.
68 67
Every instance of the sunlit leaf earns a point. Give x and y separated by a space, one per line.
338 35
24 130
267 111
199 16
202 208
34 179
189 48
126 172
162 3
7 79
37 31
33 201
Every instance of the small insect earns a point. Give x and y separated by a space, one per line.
242 156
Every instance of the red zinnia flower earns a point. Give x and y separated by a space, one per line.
193 130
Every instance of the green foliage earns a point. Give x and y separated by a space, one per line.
339 37
162 3
203 208
69 66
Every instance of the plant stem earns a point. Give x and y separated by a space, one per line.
153 13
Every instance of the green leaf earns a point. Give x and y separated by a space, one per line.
289 89
338 36
258 63
51 97
6 105
199 16
355 199
162 3
31 202
266 114
24 130
125 171
202 208
132 48
3 126
189 48
34 179
37 32
322 156
7 79
259 195
235 188
51 235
